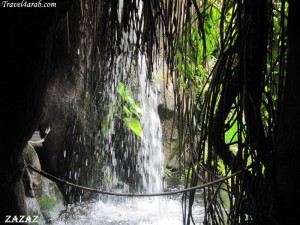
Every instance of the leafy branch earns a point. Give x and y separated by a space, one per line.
128 110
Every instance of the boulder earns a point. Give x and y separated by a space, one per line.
32 159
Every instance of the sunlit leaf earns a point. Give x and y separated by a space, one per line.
126 110
134 125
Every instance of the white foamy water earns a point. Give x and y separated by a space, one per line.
129 211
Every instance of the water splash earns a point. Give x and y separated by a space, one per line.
134 211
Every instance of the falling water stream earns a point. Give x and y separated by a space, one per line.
151 157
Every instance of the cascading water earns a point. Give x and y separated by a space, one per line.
151 157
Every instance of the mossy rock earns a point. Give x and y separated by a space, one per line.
51 201
48 203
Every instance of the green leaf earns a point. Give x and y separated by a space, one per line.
231 134
134 125
136 109
125 93
126 110
121 88
182 84
131 111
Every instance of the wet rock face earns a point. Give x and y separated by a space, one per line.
64 110
44 200
47 206
166 113
32 159
69 150
64 99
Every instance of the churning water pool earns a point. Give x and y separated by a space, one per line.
128 211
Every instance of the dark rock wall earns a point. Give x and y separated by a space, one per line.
26 45
78 95
69 147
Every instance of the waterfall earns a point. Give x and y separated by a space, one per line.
145 153
137 162
150 155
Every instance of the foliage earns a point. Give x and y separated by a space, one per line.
230 67
186 176
108 182
47 203
167 172
131 112
128 110
194 58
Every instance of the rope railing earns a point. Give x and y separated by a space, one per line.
58 180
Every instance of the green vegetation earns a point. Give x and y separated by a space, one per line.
186 176
167 172
230 67
47 203
207 76
128 110
131 111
